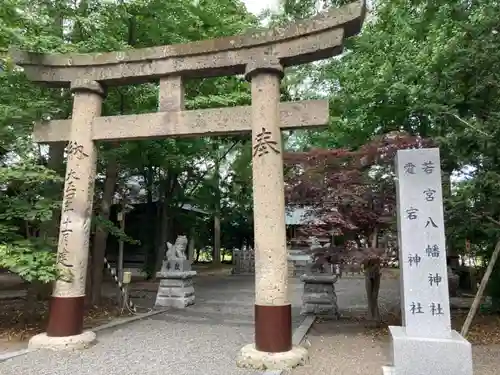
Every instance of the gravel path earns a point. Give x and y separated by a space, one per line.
203 339
342 347
148 347
351 295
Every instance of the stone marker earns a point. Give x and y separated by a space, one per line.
243 261
262 57
298 264
425 344
176 277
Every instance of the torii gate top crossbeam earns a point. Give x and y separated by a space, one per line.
298 43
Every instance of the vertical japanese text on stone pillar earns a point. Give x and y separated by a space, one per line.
73 151
425 302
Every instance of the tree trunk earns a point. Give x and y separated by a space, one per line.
372 282
191 244
101 235
88 281
31 302
217 247
121 245
453 259
163 234
151 213
372 285
479 294
167 191
157 228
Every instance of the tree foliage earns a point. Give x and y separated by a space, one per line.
349 195
170 171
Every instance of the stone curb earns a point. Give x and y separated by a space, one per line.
298 336
128 320
8 355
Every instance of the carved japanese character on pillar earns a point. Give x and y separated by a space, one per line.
263 143
76 150
70 190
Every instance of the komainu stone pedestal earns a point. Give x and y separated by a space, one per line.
176 285
319 296
413 355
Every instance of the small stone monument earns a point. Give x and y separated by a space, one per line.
243 261
425 344
319 297
298 262
176 284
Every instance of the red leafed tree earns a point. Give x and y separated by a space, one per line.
350 197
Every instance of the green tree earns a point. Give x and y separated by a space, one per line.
425 67
169 170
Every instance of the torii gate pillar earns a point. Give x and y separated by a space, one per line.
67 301
273 313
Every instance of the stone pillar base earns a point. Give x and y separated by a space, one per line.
176 285
433 356
250 357
319 297
77 342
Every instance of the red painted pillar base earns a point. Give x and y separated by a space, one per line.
273 328
65 316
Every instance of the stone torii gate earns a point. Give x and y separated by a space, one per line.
261 56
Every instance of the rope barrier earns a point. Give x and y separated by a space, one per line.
127 302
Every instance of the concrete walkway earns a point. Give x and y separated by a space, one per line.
229 301
203 339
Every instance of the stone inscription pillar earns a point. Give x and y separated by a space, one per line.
66 307
273 326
